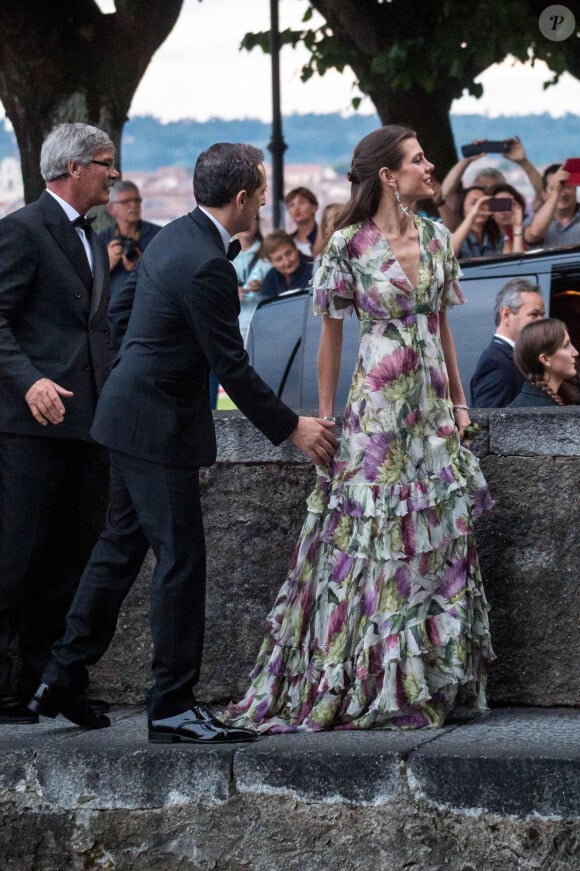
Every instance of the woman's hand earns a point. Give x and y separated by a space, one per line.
462 420
517 216
478 208
467 429
516 151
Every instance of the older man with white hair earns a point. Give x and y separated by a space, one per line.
54 358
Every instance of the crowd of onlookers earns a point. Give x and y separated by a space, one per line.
491 216
486 217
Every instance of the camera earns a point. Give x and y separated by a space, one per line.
130 248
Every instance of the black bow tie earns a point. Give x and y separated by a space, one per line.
83 222
234 249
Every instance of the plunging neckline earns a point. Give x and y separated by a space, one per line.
421 262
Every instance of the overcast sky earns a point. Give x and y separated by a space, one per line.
200 73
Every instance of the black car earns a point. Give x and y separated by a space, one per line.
283 334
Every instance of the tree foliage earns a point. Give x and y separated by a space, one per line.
65 60
413 58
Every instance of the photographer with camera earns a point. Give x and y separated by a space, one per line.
129 237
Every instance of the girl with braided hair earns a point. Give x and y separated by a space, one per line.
546 357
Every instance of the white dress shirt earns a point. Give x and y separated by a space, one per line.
71 214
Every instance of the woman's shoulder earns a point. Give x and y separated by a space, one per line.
434 229
344 234
351 242
434 236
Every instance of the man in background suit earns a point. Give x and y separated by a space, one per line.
54 358
154 415
497 380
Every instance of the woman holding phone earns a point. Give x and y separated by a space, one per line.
478 235
507 207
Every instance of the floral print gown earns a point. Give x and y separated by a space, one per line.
382 620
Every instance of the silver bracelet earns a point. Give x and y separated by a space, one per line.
460 408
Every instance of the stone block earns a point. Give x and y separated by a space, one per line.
332 767
529 550
58 766
544 432
518 762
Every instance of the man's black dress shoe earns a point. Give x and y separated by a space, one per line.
50 701
196 726
13 712
99 706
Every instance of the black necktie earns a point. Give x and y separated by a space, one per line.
234 249
83 223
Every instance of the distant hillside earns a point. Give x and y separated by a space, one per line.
330 139
327 139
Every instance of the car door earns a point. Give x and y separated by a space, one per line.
472 324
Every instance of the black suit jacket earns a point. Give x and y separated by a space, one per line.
530 395
53 318
496 380
184 322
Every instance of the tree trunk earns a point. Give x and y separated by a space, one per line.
65 61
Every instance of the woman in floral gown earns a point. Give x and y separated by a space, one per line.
382 620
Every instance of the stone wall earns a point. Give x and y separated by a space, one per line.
529 548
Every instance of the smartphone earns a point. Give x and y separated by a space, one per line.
487 146
500 204
572 166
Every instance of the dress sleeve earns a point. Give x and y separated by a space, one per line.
334 281
452 293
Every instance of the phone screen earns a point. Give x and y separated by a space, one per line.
500 204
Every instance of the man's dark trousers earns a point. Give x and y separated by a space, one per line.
151 504
53 497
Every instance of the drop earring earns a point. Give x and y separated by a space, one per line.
405 209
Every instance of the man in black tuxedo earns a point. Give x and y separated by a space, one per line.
154 415
497 380
54 358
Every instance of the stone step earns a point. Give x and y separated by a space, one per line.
516 768
511 761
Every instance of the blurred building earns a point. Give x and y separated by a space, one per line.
168 191
11 188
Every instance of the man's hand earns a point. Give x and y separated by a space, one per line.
557 182
516 151
44 402
115 252
315 438
129 265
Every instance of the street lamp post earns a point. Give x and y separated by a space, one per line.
277 146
